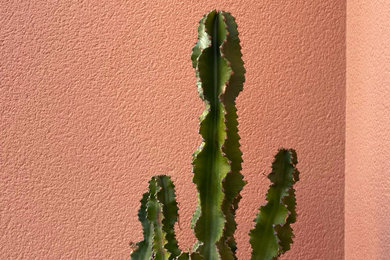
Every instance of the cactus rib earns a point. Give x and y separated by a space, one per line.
233 183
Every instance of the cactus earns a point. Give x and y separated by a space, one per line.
219 71
158 215
272 234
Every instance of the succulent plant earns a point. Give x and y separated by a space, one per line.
219 71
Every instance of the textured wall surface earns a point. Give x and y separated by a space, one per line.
97 98
367 176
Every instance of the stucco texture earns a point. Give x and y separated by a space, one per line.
96 97
367 175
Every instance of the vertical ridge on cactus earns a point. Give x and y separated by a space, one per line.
166 196
155 216
233 183
220 75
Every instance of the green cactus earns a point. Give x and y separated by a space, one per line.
144 248
219 71
158 215
272 234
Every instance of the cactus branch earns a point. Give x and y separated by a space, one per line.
144 248
158 215
220 73
272 234
210 166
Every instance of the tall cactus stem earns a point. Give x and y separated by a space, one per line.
217 163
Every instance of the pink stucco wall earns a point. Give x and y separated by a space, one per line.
367 176
96 97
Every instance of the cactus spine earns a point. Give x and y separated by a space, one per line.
219 71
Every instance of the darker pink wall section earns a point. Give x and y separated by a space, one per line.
367 176
97 98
